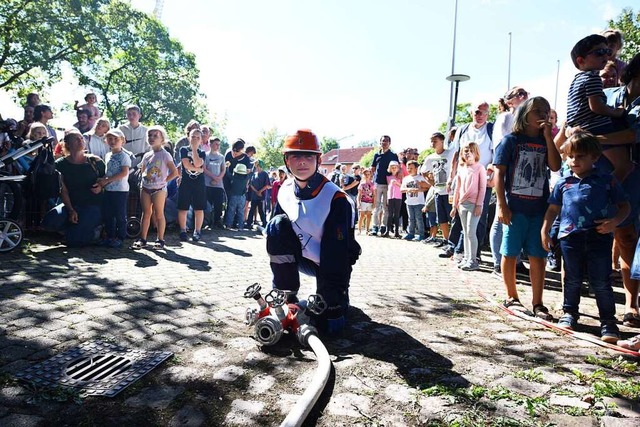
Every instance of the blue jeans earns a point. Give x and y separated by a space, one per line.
593 250
81 234
235 209
415 220
114 212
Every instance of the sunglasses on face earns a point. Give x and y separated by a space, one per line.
479 113
519 94
603 51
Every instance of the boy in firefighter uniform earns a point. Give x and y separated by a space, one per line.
312 231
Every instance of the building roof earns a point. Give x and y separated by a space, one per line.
345 155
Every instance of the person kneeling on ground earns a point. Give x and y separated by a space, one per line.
312 230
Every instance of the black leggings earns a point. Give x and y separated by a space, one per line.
394 206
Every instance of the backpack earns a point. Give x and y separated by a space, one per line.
43 179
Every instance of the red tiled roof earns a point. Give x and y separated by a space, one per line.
345 155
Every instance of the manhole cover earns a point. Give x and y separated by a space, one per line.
95 368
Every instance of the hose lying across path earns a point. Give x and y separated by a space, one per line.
302 408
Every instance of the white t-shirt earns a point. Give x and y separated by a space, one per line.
502 128
480 137
412 182
136 140
440 166
96 145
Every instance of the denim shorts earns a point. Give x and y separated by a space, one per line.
523 233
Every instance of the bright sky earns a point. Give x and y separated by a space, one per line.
357 69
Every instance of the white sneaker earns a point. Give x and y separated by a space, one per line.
457 258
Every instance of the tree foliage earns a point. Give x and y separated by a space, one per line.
37 37
327 144
269 148
125 55
139 63
367 159
628 23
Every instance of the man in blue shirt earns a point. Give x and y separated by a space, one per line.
379 168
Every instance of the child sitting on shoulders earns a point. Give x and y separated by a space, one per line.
591 203
587 104
91 100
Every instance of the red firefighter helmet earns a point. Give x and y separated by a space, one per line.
303 140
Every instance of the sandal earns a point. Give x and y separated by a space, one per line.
542 312
159 244
514 304
632 343
632 320
139 244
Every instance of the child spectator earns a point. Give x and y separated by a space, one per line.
192 191
591 204
135 134
430 215
95 141
366 200
258 185
116 190
215 170
436 169
90 104
522 190
586 105
394 199
157 169
468 200
237 189
414 186
33 99
275 188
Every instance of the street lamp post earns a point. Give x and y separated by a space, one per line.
338 141
509 67
457 78
452 107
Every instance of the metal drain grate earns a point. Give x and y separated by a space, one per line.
95 368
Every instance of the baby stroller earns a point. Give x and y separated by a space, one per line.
11 199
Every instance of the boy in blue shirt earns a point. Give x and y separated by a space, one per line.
591 204
237 190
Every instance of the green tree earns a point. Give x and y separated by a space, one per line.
269 147
37 37
367 159
628 23
327 144
139 63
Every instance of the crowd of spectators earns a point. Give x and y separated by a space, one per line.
533 190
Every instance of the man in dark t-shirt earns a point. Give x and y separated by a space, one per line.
379 169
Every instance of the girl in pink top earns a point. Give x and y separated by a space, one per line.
468 198
394 198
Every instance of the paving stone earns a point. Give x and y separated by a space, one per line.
188 416
19 420
348 405
567 401
208 357
524 387
509 409
618 422
229 373
156 398
433 407
244 412
399 393
625 407
261 383
564 420
253 358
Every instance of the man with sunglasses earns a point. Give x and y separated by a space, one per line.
480 131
